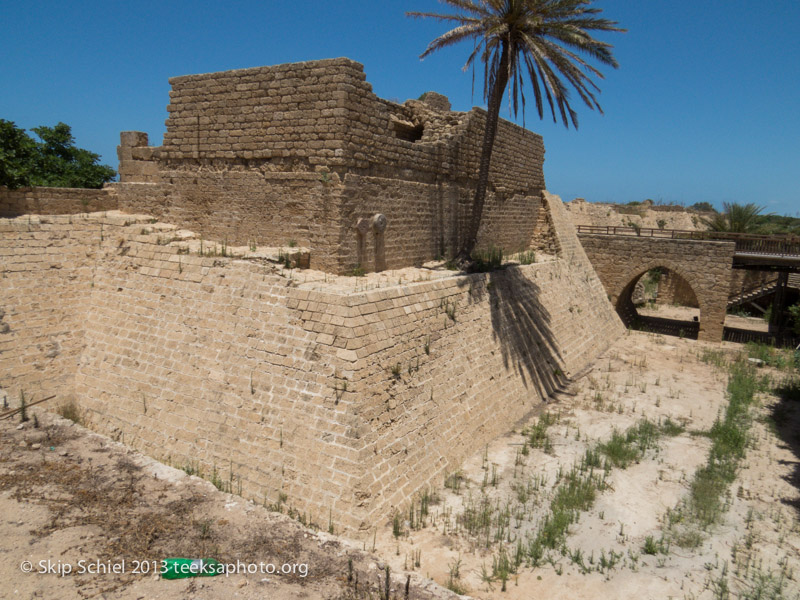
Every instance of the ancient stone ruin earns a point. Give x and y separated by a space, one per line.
338 398
307 152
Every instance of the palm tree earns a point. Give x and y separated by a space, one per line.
544 41
735 218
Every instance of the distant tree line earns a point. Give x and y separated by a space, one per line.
51 161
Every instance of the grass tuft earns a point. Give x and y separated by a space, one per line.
69 410
487 260
706 501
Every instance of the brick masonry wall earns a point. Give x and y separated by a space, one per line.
448 149
224 364
293 113
674 289
138 161
201 361
449 365
620 260
46 269
424 221
54 201
246 206
302 151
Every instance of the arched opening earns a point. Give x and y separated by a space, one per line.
673 290
660 300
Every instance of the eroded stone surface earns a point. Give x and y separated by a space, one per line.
347 394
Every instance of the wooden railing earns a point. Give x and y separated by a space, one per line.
780 245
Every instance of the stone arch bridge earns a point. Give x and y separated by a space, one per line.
703 260
705 265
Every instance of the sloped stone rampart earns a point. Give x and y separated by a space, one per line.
46 271
347 402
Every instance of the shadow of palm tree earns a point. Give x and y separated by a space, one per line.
785 416
522 326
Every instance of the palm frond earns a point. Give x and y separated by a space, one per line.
440 17
451 37
549 43
736 218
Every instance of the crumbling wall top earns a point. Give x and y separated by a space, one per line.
301 116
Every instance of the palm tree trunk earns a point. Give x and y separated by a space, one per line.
492 118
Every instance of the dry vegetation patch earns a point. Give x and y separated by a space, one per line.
661 473
68 495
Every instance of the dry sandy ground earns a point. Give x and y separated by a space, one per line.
68 495
755 549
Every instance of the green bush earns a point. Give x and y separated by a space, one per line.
794 312
52 162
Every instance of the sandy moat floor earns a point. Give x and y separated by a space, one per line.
753 552
67 495
74 500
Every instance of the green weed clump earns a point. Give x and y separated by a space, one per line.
579 487
729 437
626 448
653 546
454 583
537 434
713 357
69 410
575 494
357 271
789 389
23 407
773 357
397 525
453 481
487 260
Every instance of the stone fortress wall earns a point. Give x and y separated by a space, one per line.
54 201
347 401
307 152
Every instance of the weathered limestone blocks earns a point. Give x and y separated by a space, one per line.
55 201
348 402
303 151
674 289
137 160
436 101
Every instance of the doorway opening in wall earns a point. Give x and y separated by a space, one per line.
661 301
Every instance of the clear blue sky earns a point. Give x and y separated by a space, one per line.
704 107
